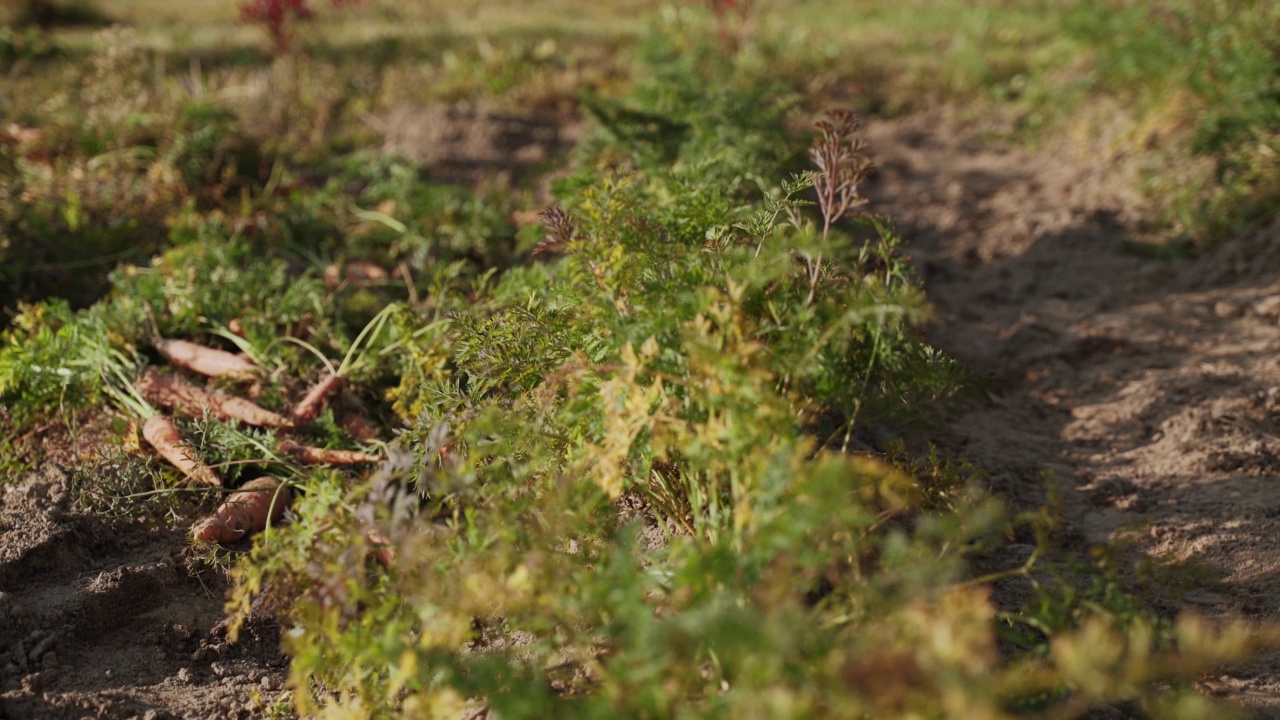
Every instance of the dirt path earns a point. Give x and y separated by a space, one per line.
1149 387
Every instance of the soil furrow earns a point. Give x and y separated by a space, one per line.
1148 386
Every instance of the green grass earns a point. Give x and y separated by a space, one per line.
1197 79
1198 82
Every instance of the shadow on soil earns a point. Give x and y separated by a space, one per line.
1150 388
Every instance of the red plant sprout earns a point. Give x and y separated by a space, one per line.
276 16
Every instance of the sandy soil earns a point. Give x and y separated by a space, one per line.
1148 387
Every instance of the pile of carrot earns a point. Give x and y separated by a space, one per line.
263 500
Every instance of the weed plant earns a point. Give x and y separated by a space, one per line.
620 508
640 483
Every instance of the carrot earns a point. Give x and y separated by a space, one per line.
358 426
384 552
309 406
256 504
206 360
299 329
174 392
162 433
324 456
356 273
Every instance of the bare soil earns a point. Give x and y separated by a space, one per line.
105 618
1148 387
476 143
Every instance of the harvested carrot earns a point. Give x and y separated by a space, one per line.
358 426
309 406
251 508
19 135
163 435
356 273
384 552
299 329
174 392
206 360
324 456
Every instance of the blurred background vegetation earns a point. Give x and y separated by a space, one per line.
181 103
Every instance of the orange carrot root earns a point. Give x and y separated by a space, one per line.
163 435
358 426
356 273
206 360
384 552
315 455
309 406
174 392
245 511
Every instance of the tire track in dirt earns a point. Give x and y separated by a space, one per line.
1149 387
